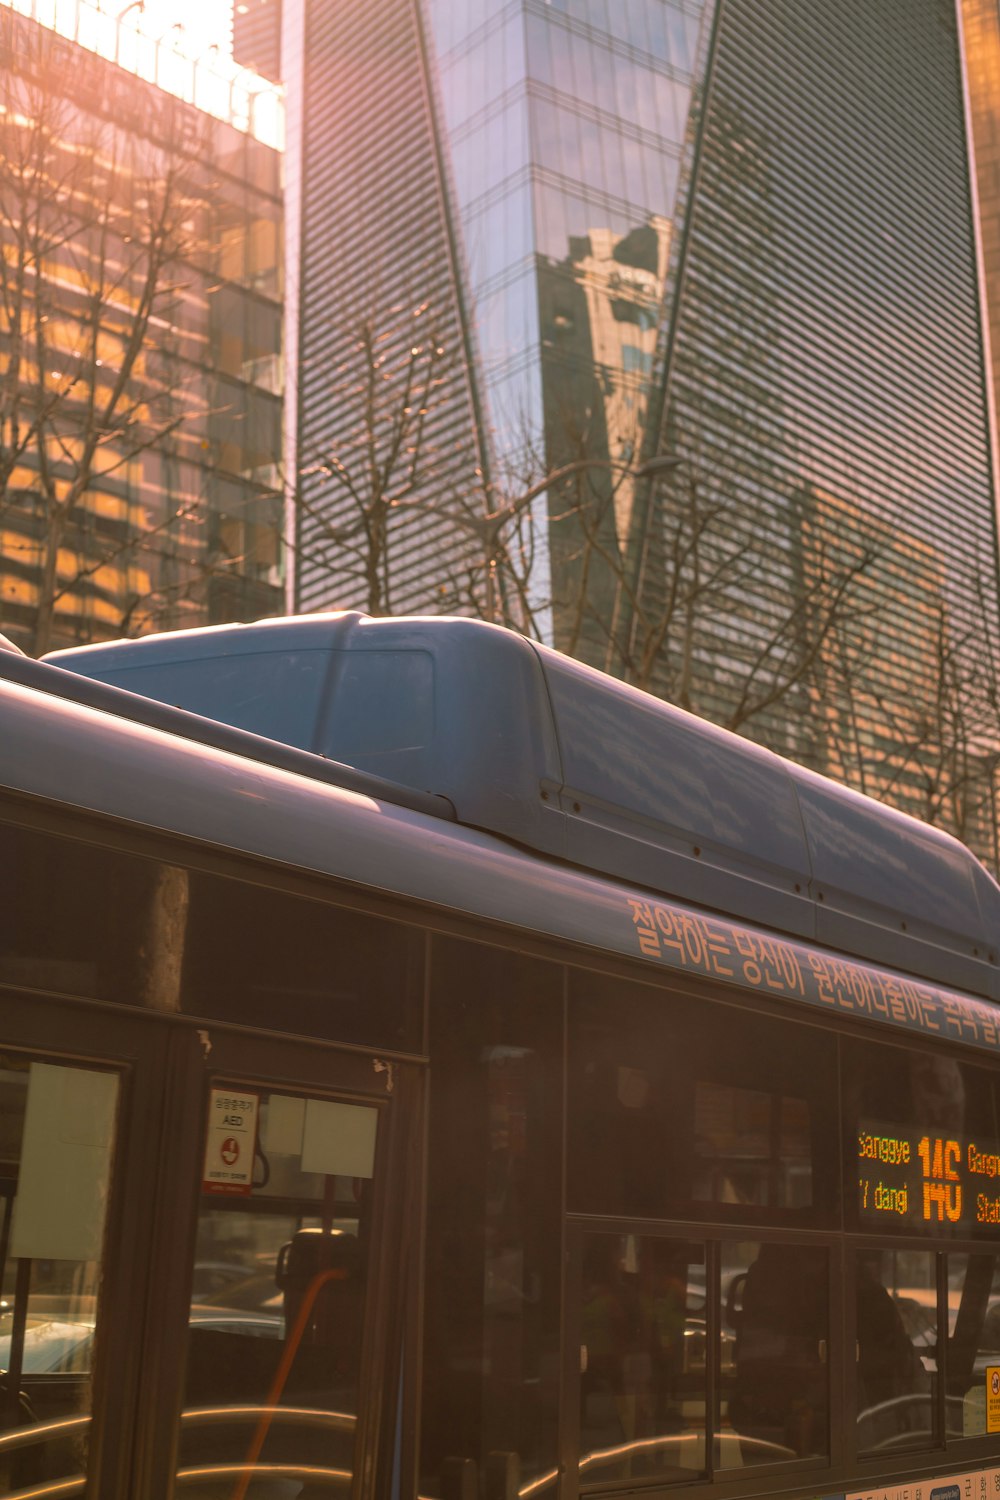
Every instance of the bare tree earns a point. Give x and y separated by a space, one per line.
729 623
929 740
680 633
95 222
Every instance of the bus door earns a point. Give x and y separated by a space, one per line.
81 1098
288 1371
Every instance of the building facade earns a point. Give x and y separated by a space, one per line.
720 232
140 342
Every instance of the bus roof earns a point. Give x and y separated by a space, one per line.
541 750
70 754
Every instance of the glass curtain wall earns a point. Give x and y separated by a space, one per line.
708 230
156 263
720 233
826 386
389 440
567 127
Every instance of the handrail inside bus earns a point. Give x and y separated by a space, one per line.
60 683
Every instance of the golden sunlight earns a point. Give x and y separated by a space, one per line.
195 26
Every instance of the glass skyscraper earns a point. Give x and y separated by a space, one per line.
140 488
737 233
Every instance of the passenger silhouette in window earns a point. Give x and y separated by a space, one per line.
778 1309
888 1364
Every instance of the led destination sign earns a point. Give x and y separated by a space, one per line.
917 1178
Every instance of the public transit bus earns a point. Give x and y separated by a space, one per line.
463 1076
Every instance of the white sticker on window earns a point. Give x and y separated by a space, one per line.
339 1139
65 1164
282 1124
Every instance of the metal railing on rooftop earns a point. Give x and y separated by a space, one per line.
211 82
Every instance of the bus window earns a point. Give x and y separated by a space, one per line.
681 1108
493 1277
774 1378
643 1388
278 1296
923 1142
299 965
57 1127
897 1349
77 917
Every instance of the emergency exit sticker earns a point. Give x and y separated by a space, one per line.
230 1140
993 1398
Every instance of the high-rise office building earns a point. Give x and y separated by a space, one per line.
981 51
734 233
140 333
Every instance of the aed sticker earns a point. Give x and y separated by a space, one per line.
230 1140
993 1398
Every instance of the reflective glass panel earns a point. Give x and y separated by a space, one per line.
643 1391
292 964
774 1381
897 1347
493 1276
685 1108
972 1366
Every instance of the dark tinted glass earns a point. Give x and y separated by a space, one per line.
973 1348
697 1109
643 1381
897 1343
923 1146
494 1212
774 1387
274 693
75 917
264 958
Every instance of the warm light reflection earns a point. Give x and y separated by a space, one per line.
305 1416
55 1491
41 1432
641 1445
275 1471
543 1482
211 81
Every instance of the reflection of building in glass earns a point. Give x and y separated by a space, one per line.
494 164
140 352
672 226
